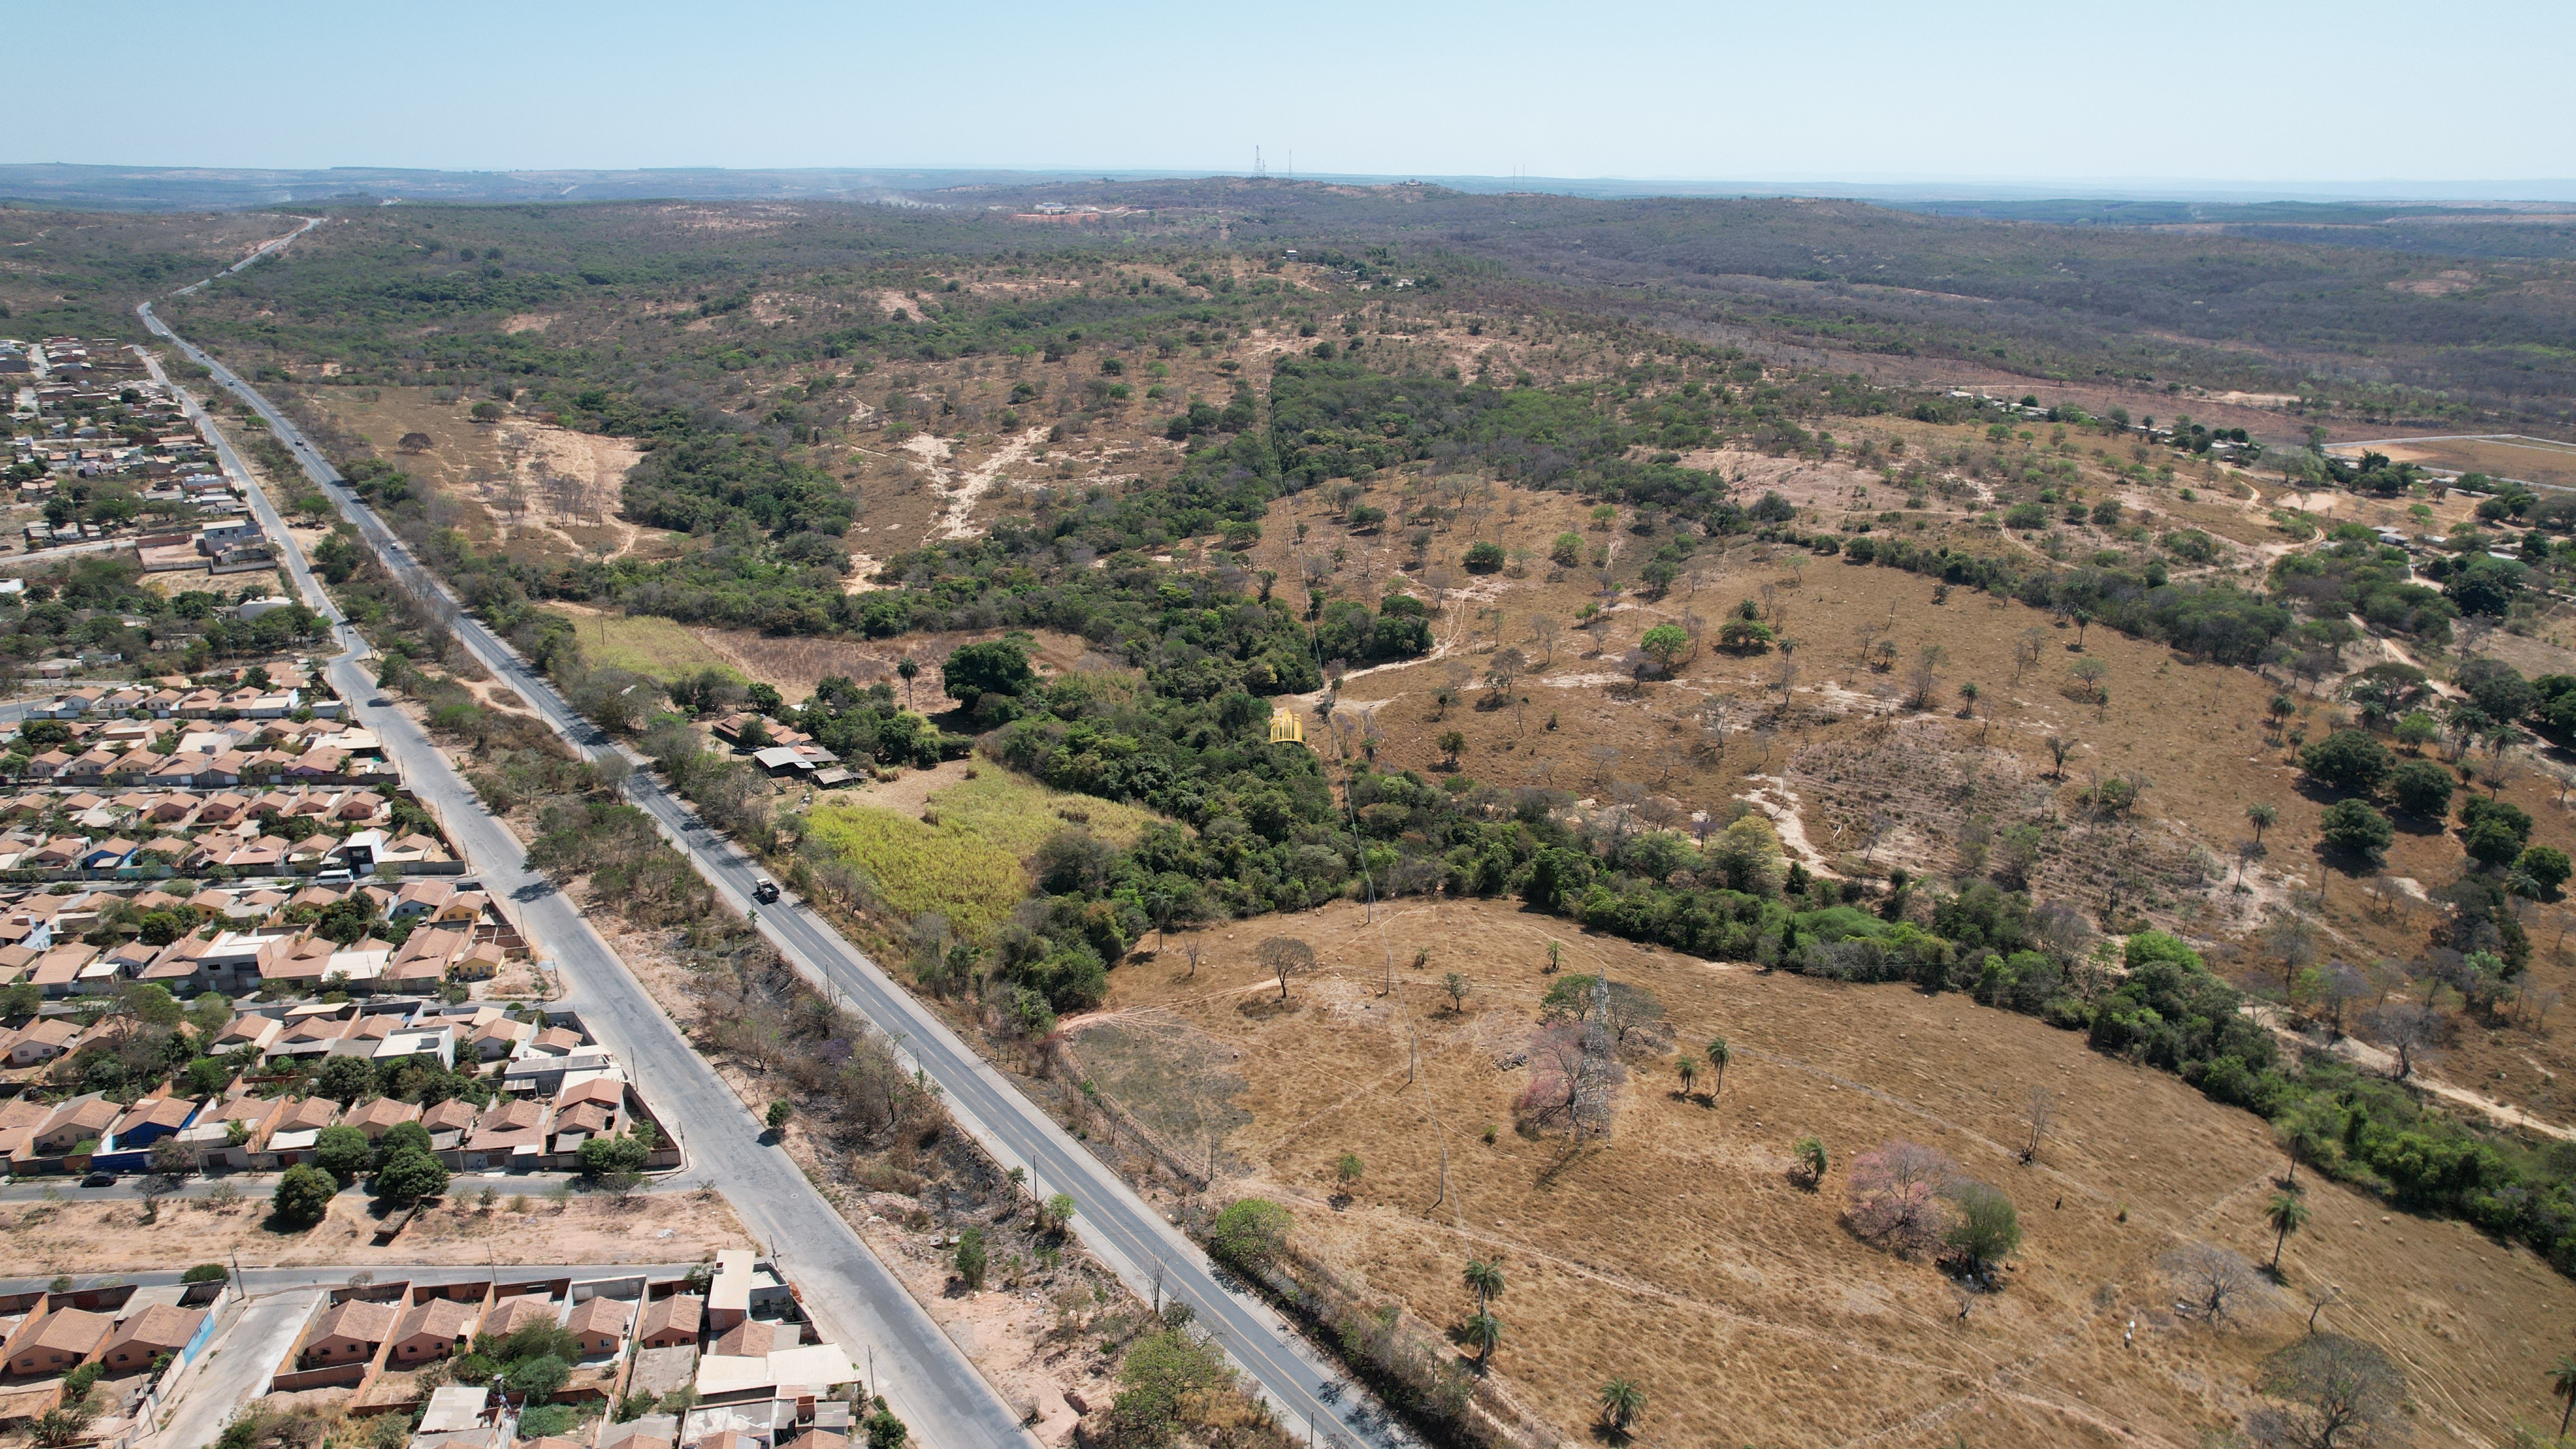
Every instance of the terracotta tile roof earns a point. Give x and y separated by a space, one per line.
440 1318
159 1329
602 1315
358 1319
517 1312
680 1313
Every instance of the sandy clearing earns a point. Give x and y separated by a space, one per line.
957 520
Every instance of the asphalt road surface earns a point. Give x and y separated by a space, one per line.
927 1380
1110 1218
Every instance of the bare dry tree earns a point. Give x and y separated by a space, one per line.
2039 1113
2219 1281
1283 957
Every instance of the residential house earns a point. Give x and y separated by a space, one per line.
434 1329
672 1322
448 1123
729 1296
82 1119
61 1341
516 1312
150 1120
350 1332
292 1136
751 1338
600 1325
42 1040
161 1329
511 1133
380 1116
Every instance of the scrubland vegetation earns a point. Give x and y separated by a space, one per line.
2135 752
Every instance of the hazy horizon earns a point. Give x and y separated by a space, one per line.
2018 96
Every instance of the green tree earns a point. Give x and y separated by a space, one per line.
1000 666
1166 1374
2562 1385
1451 742
1484 557
2422 788
1251 1232
1347 1171
411 1175
1719 1054
2416 729
2355 829
1667 645
778 1114
885 1431
2547 866
540 1378
1987 1230
2348 760
1688 1066
344 1079
2287 1214
619 1154
1565 551
343 1152
303 1196
970 1257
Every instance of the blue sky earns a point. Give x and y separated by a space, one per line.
1858 90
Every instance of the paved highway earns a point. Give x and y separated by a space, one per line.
1111 1219
929 1382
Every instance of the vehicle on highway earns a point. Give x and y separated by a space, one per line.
764 890
99 1179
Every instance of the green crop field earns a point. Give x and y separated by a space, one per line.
971 865
647 645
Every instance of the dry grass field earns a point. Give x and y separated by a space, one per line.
2533 460
1679 1251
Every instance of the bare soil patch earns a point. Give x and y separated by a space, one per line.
84 1237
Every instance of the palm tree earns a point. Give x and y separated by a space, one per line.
1621 1402
910 669
1688 1066
1719 1054
1485 1331
2562 1384
2262 816
2286 1215
1485 1278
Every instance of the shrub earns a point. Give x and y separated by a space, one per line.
970 1257
1169 1379
1251 1232
207 1273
